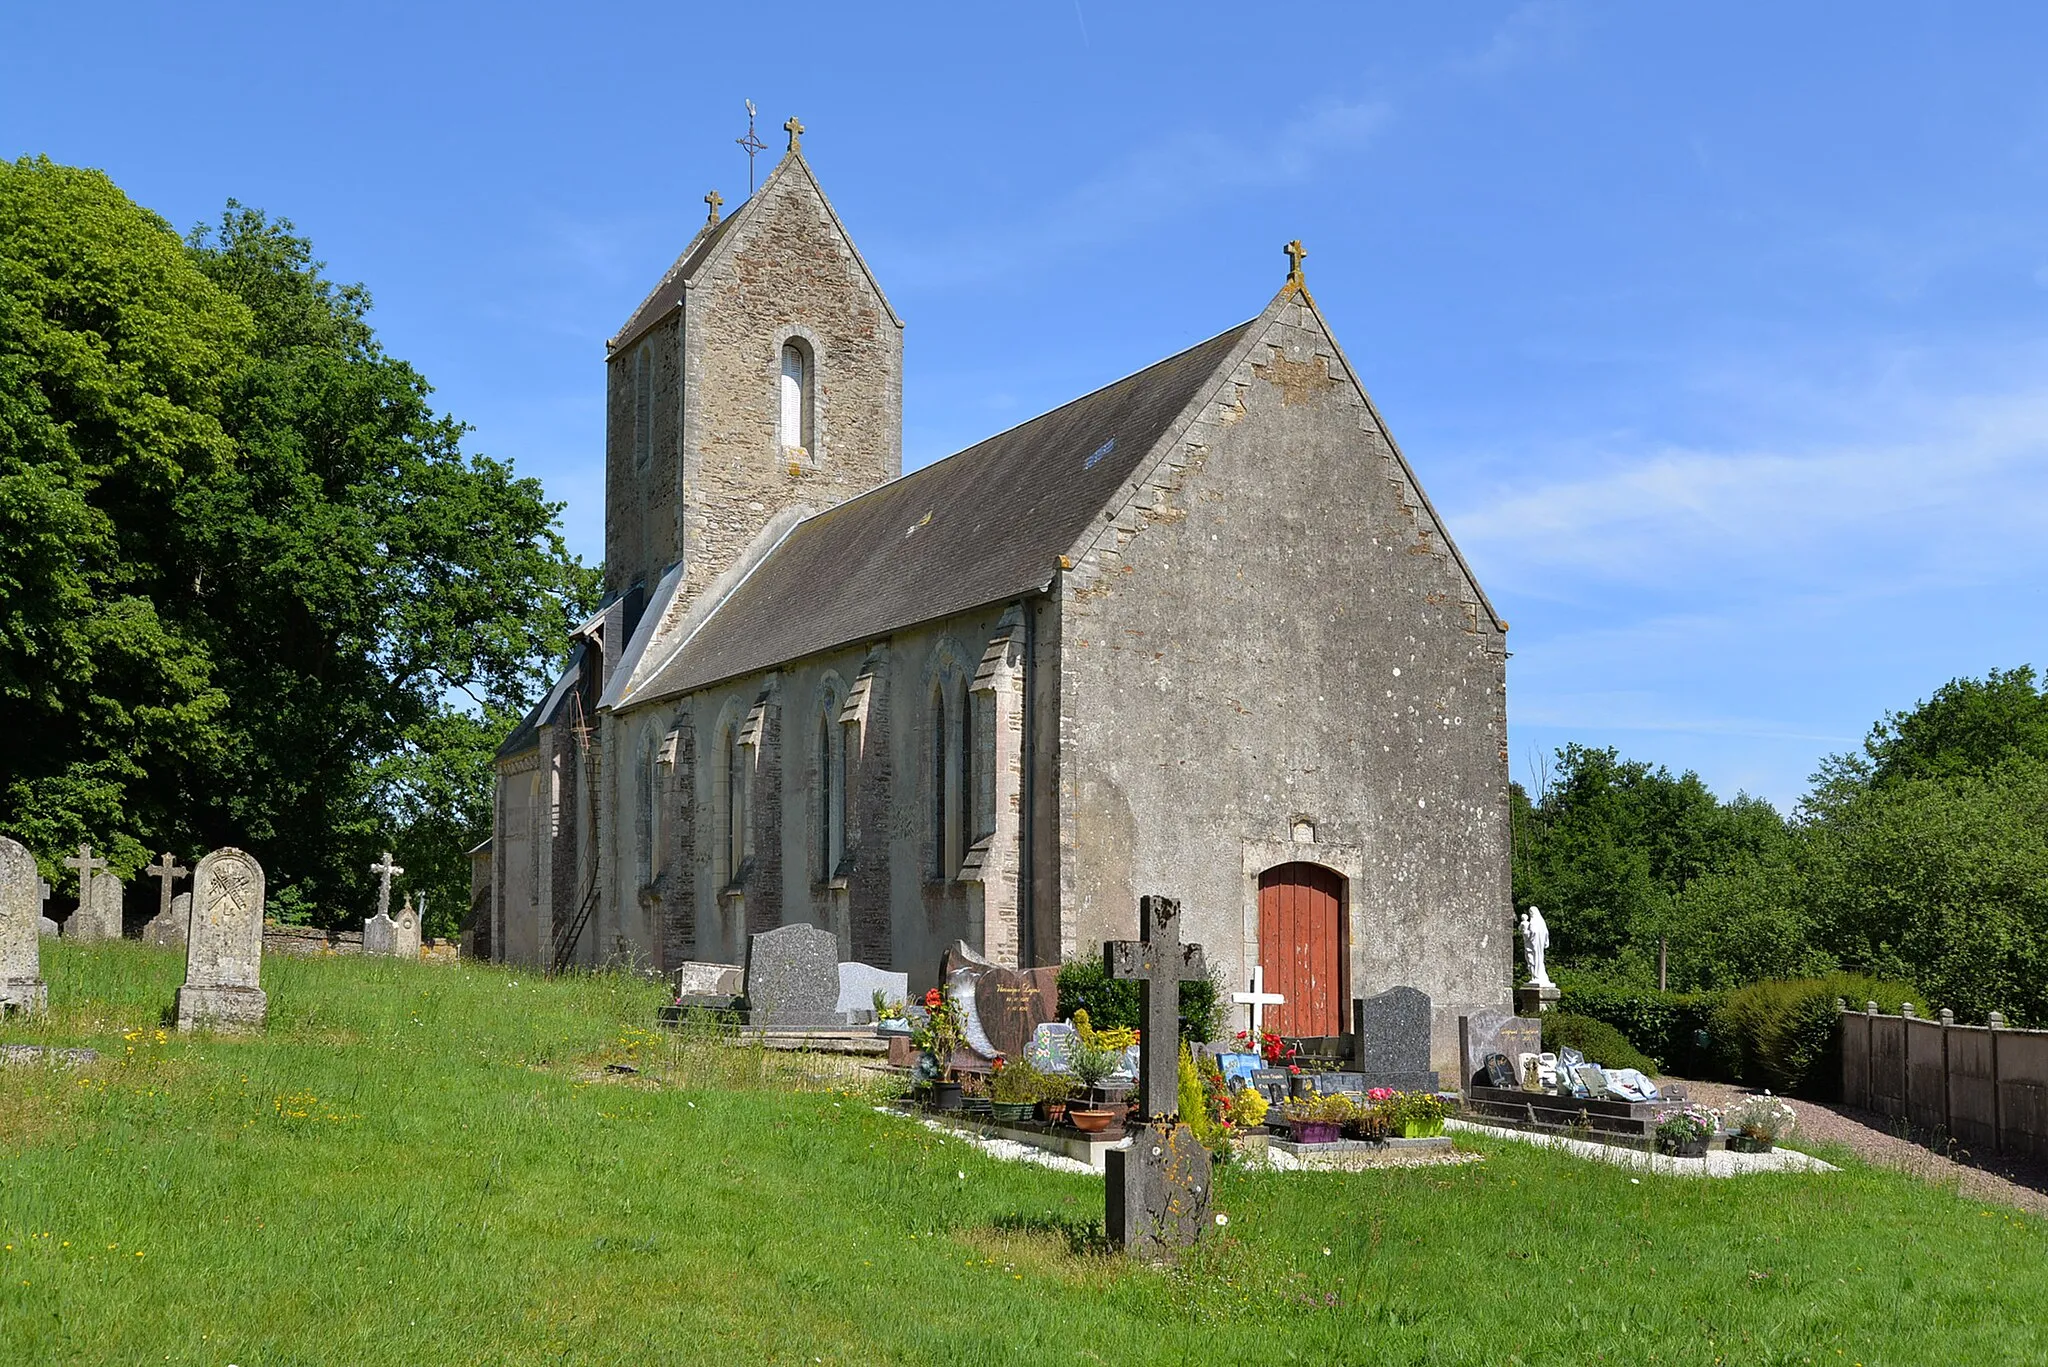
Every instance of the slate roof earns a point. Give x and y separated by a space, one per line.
976 528
526 735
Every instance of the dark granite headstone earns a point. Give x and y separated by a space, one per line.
793 979
1157 1191
1392 1030
1274 1084
1013 1003
1492 1031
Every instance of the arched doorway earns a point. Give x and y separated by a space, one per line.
1302 936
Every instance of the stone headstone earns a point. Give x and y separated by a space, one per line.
1157 1191
224 944
167 929
405 936
858 984
1493 1031
379 933
99 914
1052 1047
1392 1030
21 971
1274 1084
48 929
701 979
792 980
1013 1003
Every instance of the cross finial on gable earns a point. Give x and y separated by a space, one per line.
714 199
1295 252
795 129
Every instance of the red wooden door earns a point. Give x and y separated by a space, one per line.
1301 947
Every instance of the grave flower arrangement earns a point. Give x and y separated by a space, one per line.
940 1034
1758 1122
1318 1119
1416 1115
1684 1134
1277 1052
1015 1089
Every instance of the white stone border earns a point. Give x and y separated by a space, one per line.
1717 1163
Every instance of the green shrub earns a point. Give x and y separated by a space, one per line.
1600 1042
1676 1029
1785 1033
1112 1003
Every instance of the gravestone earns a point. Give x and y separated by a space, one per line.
702 979
1493 1031
378 934
99 915
83 922
166 871
1274 1084
1392 1030
1013 1003
1052 1047
792 979
405 938
224 944
167 929
858 984
45 927
21 972
1156 1192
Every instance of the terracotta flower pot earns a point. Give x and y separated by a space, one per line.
1089 1121
1052 1112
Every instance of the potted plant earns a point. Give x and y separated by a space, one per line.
1014 1090
1111 1045
1684 1134
1416 1115
1091 1064
1318 1119
938 1037
974 1098
1756 1123
889 1016
1053 1091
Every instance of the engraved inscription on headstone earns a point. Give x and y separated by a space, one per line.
21 982
224 948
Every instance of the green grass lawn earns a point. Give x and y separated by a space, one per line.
423 1164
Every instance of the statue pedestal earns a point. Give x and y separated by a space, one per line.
1531 1000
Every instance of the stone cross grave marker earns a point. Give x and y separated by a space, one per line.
224 949
21 974
1159 963
1392 1033
85 922
385 871
1156 1192
168 932
101 918
160 929
793 979
1257 1000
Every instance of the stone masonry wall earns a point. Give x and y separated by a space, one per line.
1310 653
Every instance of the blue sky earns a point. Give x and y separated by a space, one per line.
1718 337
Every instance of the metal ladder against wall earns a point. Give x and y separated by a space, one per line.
571 930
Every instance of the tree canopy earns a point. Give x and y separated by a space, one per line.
257 593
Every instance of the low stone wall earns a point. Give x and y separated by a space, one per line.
279 939
1984 1086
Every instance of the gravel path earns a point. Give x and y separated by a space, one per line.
1883 1142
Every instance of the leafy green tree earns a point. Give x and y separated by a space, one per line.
274 602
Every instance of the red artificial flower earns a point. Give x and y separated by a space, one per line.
932 999
998 1064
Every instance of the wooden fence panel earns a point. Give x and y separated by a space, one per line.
1926 1076
1972 1117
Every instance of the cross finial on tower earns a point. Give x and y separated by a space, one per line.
795 129
752 144
1295 252
714 199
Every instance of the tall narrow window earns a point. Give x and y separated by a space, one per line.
939 803
831 790
643 408
968 823
796 393
847 769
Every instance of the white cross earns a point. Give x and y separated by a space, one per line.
1258 999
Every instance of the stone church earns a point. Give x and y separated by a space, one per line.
1198 632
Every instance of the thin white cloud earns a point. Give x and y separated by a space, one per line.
1539 31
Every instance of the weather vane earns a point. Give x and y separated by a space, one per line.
752 144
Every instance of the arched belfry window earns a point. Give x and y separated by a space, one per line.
643 407
798 403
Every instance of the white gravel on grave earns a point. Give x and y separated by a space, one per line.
1008 1150
1717 1163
